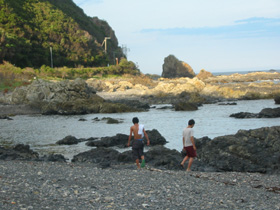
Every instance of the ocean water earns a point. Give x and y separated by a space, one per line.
212 120
226 73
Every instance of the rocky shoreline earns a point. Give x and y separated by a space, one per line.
132 94
238 171
49 185
255 150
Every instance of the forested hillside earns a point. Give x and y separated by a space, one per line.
29 28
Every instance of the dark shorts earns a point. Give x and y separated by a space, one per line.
137 149
190 151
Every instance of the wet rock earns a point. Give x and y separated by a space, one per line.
243 115
121 140
18 152
270 113
201 142
101 155
165 107
68 140
254 150
277 99
126 157
134 103
155 138
162 157
185 106
226 104
82 120
53 158
118 140
111 120
264 113
4 117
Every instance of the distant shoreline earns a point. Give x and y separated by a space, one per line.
243 72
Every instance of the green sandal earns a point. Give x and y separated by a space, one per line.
143 163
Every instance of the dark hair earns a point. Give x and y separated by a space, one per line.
191 122
135 120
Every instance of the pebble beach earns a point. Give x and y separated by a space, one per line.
53 185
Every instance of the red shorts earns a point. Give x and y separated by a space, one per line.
190 151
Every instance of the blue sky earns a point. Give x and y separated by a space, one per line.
215 35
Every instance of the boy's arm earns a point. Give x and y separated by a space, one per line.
146 135
129 138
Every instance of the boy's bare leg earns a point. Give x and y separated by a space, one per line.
184 160
137 163
190 164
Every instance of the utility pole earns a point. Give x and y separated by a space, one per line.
105 42
51 57
125 50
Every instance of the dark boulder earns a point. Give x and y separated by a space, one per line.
247 151
226 104
270 113
18 152
53 158
4 117
136 104
111 120
101 156
68 140
155 138
185 106
264 113
118 140
121 140
201 142
243 115
126 157
164 158
277 99
82 120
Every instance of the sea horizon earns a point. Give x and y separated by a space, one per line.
242 72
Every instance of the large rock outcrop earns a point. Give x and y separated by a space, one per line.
65 97
120 140
256 150
173 68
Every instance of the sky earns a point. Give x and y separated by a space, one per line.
214 35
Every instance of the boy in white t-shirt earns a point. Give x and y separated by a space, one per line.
188 144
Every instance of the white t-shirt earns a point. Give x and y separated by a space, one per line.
187 134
